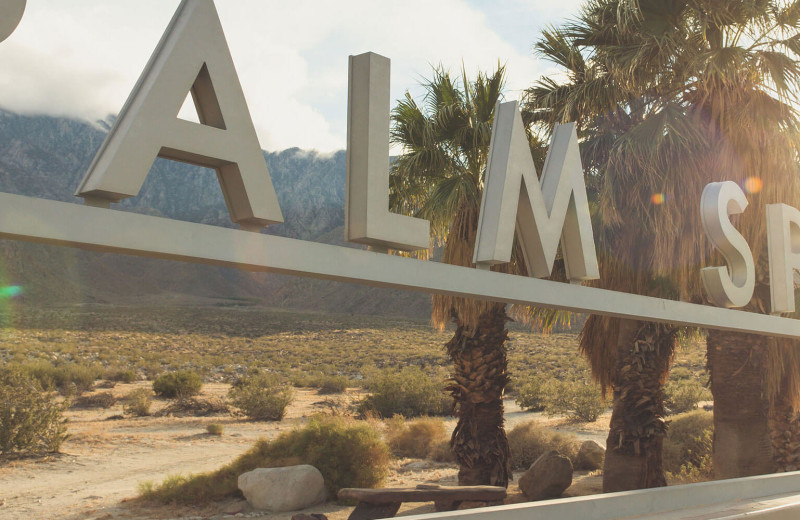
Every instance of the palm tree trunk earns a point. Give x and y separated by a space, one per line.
742 444
784 425
637 429
477 385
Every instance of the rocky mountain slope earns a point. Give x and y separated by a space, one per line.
46 157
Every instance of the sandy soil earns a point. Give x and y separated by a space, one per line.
101 465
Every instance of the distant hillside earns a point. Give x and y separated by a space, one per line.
46 157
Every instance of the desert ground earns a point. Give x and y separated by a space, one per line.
99 469
102 464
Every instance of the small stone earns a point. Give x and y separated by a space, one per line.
283 489
591 455
548 477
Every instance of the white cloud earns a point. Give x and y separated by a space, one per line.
81 58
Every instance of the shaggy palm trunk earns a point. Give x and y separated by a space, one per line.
637 429
784 425
742 444
479 379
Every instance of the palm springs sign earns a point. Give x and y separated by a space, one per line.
193 56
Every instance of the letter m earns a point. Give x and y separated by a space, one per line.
541 214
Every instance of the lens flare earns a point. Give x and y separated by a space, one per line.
658 198
11 291
753 185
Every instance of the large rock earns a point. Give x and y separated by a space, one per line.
591 455
283 489
548 477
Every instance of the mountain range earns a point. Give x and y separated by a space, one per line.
46 157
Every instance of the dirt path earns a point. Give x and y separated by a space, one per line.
105 461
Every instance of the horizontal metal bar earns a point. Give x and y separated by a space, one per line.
99 229
766 497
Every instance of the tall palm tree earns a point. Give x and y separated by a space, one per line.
669 96
439 177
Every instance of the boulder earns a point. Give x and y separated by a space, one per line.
548 477
591 455
283 489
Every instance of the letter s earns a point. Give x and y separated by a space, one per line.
732 286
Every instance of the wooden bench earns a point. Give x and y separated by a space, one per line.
384 503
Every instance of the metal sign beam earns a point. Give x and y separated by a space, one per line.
98 229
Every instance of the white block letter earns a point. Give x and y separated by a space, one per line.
367 219
732 286
783 239
557 209
193 55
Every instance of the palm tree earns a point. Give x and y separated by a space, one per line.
439 177
669 96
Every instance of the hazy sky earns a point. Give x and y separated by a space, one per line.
81 58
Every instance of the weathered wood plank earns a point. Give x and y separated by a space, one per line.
425 494
366 511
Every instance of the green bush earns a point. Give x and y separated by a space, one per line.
442 452
215 429
528 441
98 400
262 397
680 373
194 407
409 392
684 395
687 447
183 383
68 379
416 439
333 384
126 375
138 402
30 422
530 395
578 400
347 453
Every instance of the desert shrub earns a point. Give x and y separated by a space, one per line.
183 383
442 452
530 395
125 375
409 392
68 379
262 397
683 396
138 402
332 384
577 400
303 380
414 439
347 453
98 400
687 447
680 373
30 422
528 441
194 407
215 429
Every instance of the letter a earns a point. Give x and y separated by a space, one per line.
556 208
193 56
